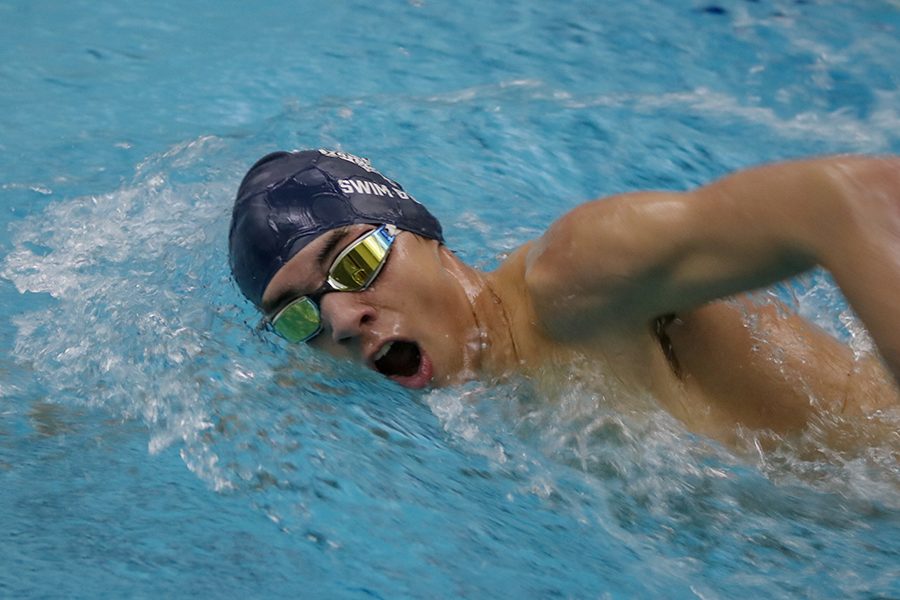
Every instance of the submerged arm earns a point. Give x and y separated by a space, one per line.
632 258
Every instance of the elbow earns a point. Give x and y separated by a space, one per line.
869 189
862 210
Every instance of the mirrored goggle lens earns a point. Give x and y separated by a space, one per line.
298 321
356 267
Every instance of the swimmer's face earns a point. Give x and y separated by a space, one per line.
414 324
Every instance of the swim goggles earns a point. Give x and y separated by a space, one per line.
354 270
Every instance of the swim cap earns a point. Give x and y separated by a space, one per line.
287 199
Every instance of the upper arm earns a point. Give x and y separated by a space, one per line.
631 258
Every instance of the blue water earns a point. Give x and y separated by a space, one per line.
151 443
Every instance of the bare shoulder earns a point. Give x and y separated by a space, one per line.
605 234
591 270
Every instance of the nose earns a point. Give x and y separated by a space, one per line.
345 314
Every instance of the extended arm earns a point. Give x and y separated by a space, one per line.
631 258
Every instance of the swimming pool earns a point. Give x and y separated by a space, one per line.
152 443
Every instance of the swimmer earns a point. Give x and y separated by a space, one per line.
645 288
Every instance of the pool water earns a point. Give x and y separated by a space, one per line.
152 442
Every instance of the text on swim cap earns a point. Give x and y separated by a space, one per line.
356 186
359 161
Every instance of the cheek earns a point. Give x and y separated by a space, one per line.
442 313
451 335
433 296
428 299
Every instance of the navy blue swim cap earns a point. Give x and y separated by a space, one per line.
287 199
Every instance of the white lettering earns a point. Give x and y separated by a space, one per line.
357 186
382 190
362 187
363 163
349 186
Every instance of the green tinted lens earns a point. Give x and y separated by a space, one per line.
356 267
298 321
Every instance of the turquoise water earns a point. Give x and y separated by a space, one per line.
152 443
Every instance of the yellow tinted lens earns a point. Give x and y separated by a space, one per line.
298 321
358 265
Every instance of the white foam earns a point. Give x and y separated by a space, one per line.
124 329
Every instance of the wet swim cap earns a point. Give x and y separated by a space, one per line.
287 199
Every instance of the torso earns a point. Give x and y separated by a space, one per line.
726 365
762 367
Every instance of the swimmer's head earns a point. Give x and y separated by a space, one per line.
287 199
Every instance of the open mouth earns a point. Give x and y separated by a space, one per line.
398 359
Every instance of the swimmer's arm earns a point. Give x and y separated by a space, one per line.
629 259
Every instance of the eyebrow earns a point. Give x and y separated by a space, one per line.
333 239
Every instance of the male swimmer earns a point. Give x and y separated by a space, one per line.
642 287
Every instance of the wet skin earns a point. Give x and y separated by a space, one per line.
586 299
